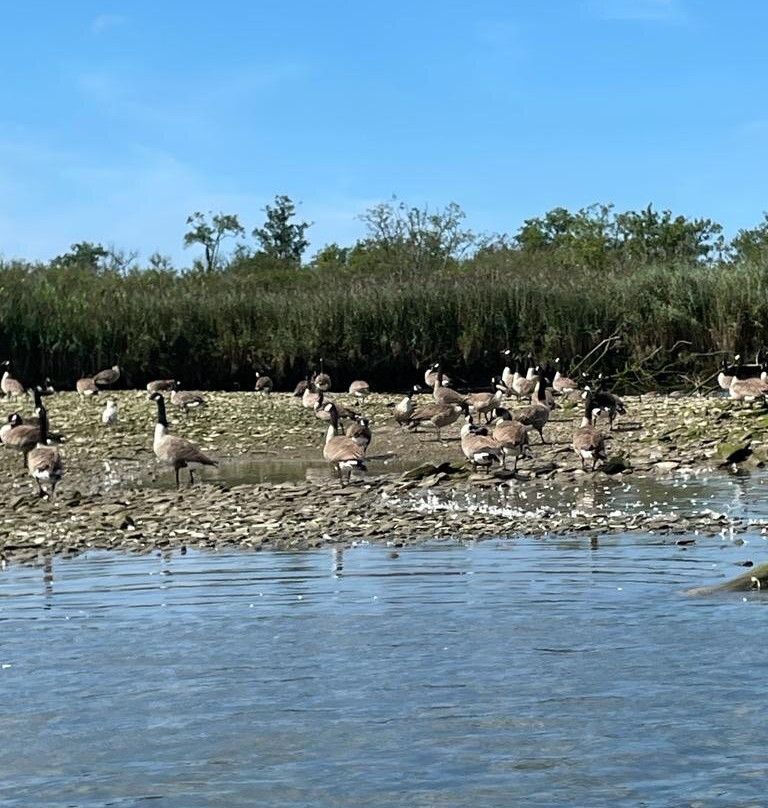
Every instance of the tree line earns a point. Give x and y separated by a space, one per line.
665 294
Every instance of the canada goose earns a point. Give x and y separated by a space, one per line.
445 395
604 403
343 453
511 434
588 442
86 387
310 396
438 415
360 389
430 376
159 385
298 391
106 377
172 450
404 409
109 413
263 384
478 447
522 386
323 380
186 399
483 403
537 415
47 388
11 387
360 431
14 420
44 462
562 384
750 389
507 374
724 376
343 412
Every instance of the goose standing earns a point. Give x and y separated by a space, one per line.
44 462
511 434
479 447
588 443
343 453
263 384
310 396
507 375
172 450
25 436
605 403
404 409
562 384
750 389
360 431
104 378
445 395
323 380
109 413
484 403
537 415
522 385
430 376
343 412
438 415
725 376
10 387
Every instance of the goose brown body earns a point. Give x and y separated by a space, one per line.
10 387
342 452
588 442
44 463
511 434
172 450
86 386
106 377
480 448
437 415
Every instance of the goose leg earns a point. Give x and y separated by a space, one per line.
177 479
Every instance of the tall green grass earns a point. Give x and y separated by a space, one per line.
214 330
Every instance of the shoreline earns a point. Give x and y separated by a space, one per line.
108 498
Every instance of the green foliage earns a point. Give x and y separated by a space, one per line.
418 286
210 233
280 237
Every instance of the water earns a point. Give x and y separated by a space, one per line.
531 672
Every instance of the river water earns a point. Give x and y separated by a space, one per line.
528 672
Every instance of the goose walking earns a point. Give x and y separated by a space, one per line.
537 415
44 463
437 415
404 409
588 442
343 453
484 403
172 450
511 434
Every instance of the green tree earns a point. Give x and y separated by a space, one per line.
83 255
649 236
411 241
210 233
280 237
751 244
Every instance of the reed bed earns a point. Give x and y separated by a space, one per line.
215 329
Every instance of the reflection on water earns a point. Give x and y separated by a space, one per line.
565 672
254 470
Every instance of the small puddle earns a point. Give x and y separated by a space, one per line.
255 470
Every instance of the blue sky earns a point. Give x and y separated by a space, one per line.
118 119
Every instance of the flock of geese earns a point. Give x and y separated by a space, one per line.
491 434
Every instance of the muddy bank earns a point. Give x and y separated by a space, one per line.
111 496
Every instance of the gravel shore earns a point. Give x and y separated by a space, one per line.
113 497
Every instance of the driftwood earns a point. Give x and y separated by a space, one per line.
756 578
